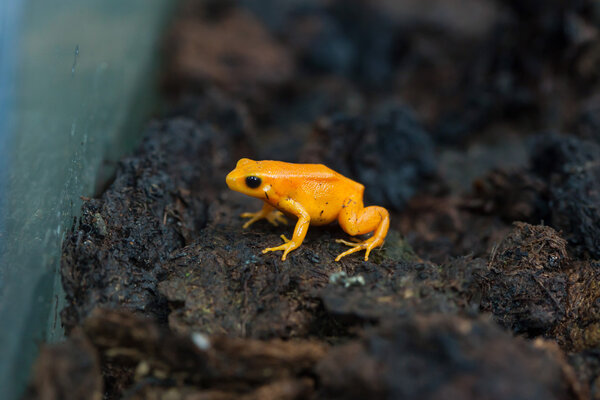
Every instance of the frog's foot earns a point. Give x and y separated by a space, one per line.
273 216
367 245
286 247
276 216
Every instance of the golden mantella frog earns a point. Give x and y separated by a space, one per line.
314 194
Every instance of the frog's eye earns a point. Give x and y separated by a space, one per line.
253 182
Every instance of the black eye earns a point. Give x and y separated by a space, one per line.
253 182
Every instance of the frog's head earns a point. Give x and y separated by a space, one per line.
247 178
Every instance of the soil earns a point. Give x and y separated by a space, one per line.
475 123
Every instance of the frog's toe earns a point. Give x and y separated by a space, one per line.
367 245
248 223
355 247
275 217
253 218
286 248
285 253
347 243
269 249
367 253
371 246
281 218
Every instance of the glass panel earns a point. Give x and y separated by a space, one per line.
76 82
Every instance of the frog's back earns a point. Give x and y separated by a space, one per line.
320 190
297 174
278 169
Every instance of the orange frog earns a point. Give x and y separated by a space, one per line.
315 194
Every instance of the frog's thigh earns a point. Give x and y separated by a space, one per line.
357 220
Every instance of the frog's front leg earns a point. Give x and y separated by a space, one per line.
268 212
293 207
358 220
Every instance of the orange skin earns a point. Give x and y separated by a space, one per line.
314 194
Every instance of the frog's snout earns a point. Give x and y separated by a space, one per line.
230 179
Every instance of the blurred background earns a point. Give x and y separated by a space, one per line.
409 96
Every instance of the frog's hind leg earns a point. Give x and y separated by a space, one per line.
358 220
